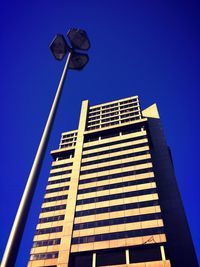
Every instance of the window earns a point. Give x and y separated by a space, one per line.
49 230
59 173
130 155
115 142
145 253
108 151
117 208
116 185
44 243
93 118
91 113
110 119
68 145
52 219
44 256
110 110
94 109
128 110
111 167
115 221
108 258
118 235
52 190
130 115
48 209
61 165
51 199
116 175
64 155
128 101
58 181
131 119
116 196
83 259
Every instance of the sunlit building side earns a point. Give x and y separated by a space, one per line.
112 197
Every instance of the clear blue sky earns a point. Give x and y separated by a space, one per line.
145 48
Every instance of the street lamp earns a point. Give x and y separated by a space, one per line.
75 60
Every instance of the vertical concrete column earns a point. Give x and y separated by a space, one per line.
65 247
162 250
94 260
127 257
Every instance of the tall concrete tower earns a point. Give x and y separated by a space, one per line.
112 197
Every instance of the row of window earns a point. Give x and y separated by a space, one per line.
56 198
118 235
116 166
52 219
115 175
125 111
117 185
94 113
121 207
59 181
134 154
57 189
110 135
44 256
50 230
93 122
48 209
116 196
115 221
104 107
110 106
129 105
122 104
94 118
128 101
66 141
92 138
113 257
109 151
59 173
45 243
94 109
98 112
130 119
114 142
110 114
110 119
110 110
65 155
68 145
129 110
62 165
110 123
97 126
69 135
126 115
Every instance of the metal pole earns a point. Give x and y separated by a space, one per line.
12 247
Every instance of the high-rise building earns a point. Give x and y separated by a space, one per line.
112 197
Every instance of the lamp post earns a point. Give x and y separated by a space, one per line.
75 60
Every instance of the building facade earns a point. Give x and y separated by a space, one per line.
112 197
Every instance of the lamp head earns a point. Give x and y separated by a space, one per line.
59 47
